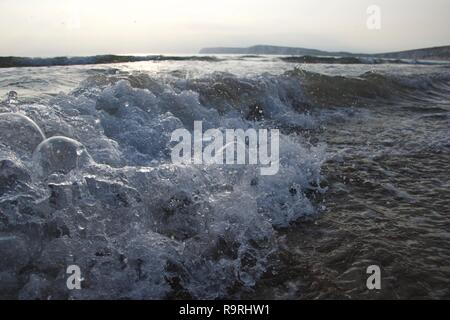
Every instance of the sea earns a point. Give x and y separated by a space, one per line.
86 178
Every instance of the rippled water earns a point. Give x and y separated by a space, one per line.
86 179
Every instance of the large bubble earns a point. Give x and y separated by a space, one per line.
19 132
59 155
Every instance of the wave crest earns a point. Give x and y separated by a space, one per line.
12 62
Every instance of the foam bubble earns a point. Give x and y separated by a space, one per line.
20 133
59 155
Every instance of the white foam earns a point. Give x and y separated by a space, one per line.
151 226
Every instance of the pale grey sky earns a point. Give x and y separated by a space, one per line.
82 27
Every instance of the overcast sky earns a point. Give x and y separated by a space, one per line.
82 27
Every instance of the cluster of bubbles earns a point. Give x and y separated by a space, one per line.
56 154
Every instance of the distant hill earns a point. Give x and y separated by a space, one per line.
435 53
266 49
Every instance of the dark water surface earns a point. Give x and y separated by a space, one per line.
86 179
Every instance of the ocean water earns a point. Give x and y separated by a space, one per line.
86 179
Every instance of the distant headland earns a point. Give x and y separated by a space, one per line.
434 53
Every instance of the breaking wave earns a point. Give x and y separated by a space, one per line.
11 62
87 180
349 91
342 60
357 60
